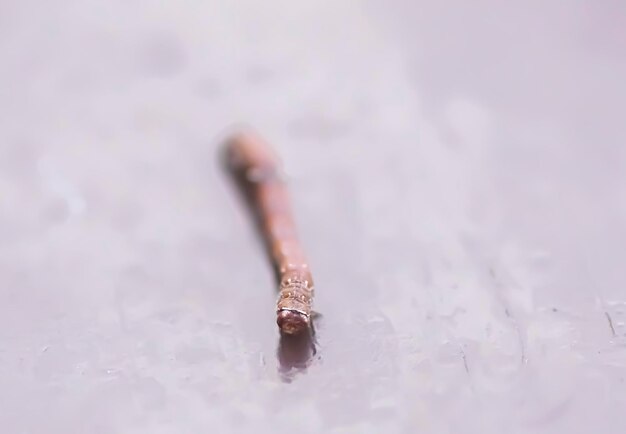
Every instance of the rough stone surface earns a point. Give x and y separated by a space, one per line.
458 172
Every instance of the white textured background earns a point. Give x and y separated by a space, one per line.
459 179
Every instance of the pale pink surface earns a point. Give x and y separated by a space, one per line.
459 171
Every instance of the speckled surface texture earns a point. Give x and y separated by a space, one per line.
459 182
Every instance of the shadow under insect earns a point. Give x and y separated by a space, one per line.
295 354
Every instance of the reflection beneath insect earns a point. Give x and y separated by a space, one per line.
295 354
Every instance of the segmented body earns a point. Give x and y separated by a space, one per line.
258 170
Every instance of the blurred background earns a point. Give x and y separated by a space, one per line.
457 172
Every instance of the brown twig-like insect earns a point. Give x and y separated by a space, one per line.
258 171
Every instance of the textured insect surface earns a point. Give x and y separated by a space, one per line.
258 171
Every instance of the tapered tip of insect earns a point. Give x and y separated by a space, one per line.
292 323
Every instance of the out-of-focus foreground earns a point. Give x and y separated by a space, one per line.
458 178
